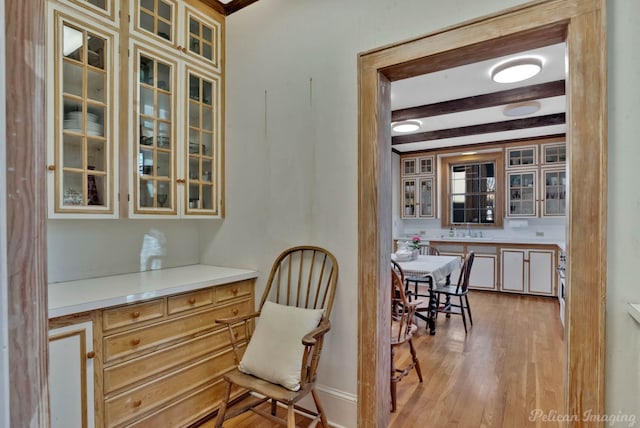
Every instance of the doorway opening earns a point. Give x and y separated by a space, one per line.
581 25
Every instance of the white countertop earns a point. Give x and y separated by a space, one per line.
72 297
491 240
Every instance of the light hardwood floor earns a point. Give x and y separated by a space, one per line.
509 365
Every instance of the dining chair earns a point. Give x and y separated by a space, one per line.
421 286
460 290
279 362
402 329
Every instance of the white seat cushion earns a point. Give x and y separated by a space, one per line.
275 350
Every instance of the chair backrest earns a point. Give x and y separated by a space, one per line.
402 311
428 250
463 279
303 276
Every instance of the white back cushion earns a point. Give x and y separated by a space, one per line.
275 350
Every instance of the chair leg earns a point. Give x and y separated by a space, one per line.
393 381
466 297
274 405
316 400
464 317
416 362
291 416
223 407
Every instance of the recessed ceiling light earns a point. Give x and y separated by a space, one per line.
521 109
516 70
406 126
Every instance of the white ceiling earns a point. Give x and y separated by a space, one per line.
475 79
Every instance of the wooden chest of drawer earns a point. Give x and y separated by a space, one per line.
167 332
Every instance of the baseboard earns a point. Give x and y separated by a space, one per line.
340 407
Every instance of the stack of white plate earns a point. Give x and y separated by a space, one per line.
73 123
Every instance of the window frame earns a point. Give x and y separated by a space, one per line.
497 158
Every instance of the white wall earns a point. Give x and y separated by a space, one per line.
623 246
4 326
292 155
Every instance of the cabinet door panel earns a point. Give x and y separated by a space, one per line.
483 272
71 376
513 270
541 272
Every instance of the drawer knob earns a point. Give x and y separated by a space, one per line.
234 291
235 311
137 403
135 314
192 301
135 342
91 355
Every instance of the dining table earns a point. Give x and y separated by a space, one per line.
430 270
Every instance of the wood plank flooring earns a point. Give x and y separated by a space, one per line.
508 365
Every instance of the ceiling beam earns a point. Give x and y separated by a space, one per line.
485 128
229 8
517 95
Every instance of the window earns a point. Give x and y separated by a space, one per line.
471 190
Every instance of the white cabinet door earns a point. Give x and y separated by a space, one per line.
71 376
513 270
541 272
483 272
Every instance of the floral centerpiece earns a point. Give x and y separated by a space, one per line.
415 243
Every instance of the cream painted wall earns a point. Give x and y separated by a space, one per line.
623 246
90 248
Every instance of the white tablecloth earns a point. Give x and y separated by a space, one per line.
437 267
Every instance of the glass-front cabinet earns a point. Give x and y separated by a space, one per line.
554 191
418 187
81 162
521 193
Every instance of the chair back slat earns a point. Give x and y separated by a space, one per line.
304 277
401 311
465 272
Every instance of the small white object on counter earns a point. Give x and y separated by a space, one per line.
634 311
82 295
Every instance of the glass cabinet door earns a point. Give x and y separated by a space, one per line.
555 198
521 157
426 197
554 154
83 101
154 172
521 193
409 198
409 166
425 164
203 38
202 138
157 18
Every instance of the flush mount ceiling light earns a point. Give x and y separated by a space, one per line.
516 70
406 126
521 109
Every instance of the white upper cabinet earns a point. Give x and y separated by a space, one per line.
145 138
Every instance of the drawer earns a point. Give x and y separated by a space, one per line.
154 395
189 409
164 360
232 291
132 314
142 339
192 300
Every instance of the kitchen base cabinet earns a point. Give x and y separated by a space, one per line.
71 373
530 271
483 272
152 363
